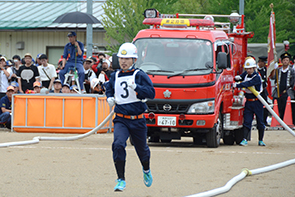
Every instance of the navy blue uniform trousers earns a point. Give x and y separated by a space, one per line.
251 108
137 129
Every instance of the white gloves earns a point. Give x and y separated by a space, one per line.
238 78
111 101
276 65
131 84
234 85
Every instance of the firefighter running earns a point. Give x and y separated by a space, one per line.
252 106
127 88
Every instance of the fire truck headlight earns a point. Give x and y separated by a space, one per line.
150 13
202 108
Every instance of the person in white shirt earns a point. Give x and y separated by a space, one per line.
3 77
47 72
89 74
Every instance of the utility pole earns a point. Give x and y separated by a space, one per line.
89 31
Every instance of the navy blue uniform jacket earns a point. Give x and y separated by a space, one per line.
144 89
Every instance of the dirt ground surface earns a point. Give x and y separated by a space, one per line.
85 168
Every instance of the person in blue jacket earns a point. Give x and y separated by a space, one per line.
73 58
252 106
127 89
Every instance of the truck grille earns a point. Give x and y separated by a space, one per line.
175 108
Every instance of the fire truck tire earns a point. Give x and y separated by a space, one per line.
214 135
239 135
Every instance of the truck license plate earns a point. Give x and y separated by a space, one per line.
166 121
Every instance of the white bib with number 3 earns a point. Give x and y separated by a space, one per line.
123 93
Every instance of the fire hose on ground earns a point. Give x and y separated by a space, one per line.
213 192
246 172
36 140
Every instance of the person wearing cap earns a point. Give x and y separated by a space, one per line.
284 82
106 68
262 60
27 74
73 58
5 103
57 86
98 85
89 74
38 62
14 69
16 87
4 75
66 88
127 89
47 72
37 86
9 63
252 106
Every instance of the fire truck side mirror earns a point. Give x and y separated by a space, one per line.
222 60
115 61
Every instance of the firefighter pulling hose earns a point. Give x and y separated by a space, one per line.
271 111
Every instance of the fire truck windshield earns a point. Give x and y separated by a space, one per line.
167 56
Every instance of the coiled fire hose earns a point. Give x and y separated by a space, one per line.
36 140
246 172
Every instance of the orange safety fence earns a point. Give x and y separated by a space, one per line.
59 113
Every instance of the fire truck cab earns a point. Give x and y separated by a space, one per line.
192 63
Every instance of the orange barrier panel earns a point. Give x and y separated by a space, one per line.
53 113
59 113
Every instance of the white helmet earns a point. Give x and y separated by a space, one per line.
127 50
250 63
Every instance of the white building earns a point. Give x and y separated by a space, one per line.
27 27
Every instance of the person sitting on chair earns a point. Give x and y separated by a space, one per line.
73 55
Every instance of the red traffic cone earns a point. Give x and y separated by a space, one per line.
274 122
288 113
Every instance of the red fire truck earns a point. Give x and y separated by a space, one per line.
192 63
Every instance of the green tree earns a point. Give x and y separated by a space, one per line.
123 19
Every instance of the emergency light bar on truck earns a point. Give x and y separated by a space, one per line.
153 17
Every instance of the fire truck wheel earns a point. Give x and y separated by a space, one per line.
239 135
214 135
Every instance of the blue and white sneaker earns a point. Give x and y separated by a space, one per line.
121 184
244 142
261 143
147 178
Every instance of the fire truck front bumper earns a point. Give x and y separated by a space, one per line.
180 120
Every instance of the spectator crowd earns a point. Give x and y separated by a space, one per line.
28 76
